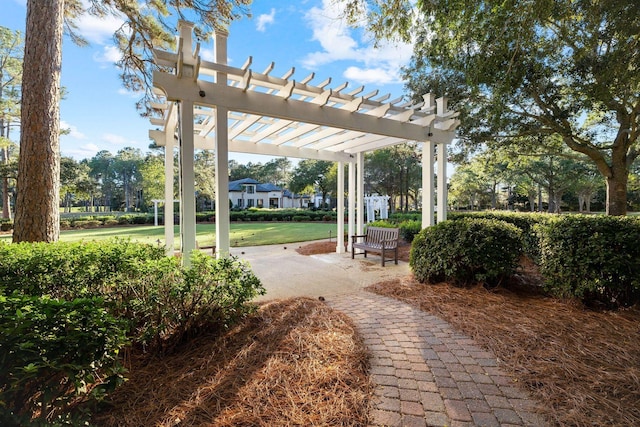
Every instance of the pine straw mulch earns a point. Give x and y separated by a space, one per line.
583 365
295 362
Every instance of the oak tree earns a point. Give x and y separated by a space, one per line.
537 67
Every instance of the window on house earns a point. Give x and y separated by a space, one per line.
260 203
240 203
250 203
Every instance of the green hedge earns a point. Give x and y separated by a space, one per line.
466 251
50 352
593 258
409 229
399 217
526 222
96 294
70 270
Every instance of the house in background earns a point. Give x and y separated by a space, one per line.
249 193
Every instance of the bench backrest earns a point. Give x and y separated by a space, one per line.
378 234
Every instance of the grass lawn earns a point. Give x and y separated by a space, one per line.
242 233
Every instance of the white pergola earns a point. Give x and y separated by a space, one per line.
211 105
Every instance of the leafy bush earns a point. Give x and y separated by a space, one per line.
594 258
50 352
526 222
466 251
6 226
381 223
301 218
70 270
87 223
110 222
169 302
155 300
409 229
405 216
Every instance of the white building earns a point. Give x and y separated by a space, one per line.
249 193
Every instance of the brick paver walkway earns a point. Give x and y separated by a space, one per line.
427 374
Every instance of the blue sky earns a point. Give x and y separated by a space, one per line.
307 35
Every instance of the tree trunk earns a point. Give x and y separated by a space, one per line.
617 191
37 205
6 197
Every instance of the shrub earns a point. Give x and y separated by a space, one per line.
466 251
409 229
86 223
50 352
381 223
169 302
525 221
405 216
156 300
593 258
301 218
6 226
70 270
110 222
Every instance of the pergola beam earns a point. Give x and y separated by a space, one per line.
261 104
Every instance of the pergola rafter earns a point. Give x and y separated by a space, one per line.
211 105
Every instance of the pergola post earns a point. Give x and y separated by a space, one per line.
428 162
442 166
442 182
166 139
187 182
352 204
168 195
340 210
223 227
360 193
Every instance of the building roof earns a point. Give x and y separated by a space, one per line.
260 187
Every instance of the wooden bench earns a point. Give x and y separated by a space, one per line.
379 240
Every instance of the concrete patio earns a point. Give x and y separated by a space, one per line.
285 273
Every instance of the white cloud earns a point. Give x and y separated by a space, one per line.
380 65
73 130
109 55
370 75
98 30
264 20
